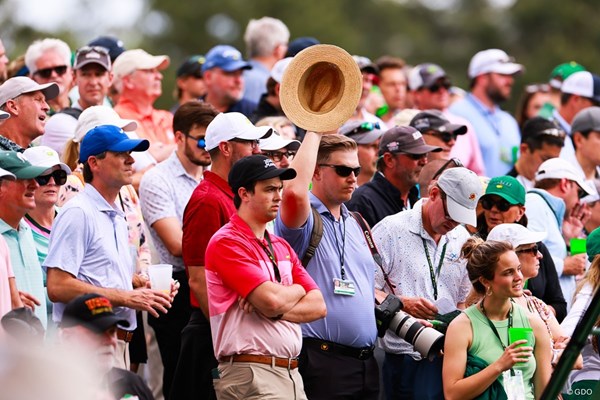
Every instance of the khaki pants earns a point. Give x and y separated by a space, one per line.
245 380
122 355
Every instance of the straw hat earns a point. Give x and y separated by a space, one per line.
321 88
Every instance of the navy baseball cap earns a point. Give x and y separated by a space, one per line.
93 311
109 138
114 45
226 57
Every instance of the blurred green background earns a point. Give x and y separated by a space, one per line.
539 33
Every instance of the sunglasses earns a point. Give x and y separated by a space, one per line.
342 170
46 73
502 205
533 250
252 143
447 137
97 49
436 87
277 156
200 142
542 87
445 205
415 157
59 176
446 165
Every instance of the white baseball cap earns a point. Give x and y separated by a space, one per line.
4 174
463 190
515 234
276 142
584 84
233 125
18 85
131 60
4 115
493 60
44 156
95 116
279 69
558 168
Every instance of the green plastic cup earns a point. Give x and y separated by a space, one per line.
578 246
515 334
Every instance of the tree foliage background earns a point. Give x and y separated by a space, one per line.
539 33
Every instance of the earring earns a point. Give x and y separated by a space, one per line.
488 291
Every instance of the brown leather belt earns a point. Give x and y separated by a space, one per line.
124 335
291 363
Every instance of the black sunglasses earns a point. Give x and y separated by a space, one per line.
60 178
447 137
439 85
200 142
502 205
278 155
46 73
454 160
342 170
533 250
415 157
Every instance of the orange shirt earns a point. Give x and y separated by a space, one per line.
157 126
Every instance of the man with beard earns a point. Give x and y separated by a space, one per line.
164 193
89 328
492 74
402 155
229 137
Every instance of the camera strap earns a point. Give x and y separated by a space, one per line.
432 273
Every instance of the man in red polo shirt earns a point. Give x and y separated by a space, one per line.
259 293
229 137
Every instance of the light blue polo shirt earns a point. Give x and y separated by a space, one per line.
497 132
26 266
89 240
350 320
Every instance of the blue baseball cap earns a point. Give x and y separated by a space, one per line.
226 57
109 138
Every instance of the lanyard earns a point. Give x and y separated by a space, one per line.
337 245
271 255
491 324
431 271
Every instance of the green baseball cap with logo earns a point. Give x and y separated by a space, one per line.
17 164
593 244
562 72
508 188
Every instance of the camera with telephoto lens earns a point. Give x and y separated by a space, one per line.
427 341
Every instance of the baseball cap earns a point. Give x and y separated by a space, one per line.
95 116
108 138
192 66
279 68
584 84
93 311
404 139
19 85
425 75
366 65
463 190
435 120
275 142
299 44
587 119
256 168
493 60
557 168
362 132
114 46
228 58
593 244
4 115
508 188
515 234
233 125
131 60
562 72
17 164
44 156
4 174
92 55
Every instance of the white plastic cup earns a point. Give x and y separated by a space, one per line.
160 277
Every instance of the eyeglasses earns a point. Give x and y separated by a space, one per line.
447 137
436 87
252 143
533 250
59 176
454 160
445 205
342 170
46 73
200 142
542 87
276 156
502 205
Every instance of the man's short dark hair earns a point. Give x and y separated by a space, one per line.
389 62
88 176
237 200
534 140
193 113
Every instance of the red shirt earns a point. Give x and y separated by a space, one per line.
210 207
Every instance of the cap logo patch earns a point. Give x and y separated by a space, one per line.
232 54
472 196
98 305
417 135
431 69
92 54
393 146
269 163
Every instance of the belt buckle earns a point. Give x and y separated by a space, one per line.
363 354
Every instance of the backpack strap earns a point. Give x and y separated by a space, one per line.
315 237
